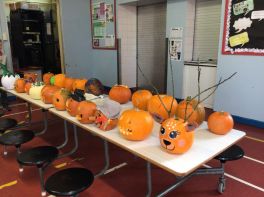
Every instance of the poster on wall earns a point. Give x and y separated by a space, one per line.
175 43
243 27
103 24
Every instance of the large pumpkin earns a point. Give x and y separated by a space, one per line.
120 94
157 110
140 99
220 123
73 102
20 85
46 78
94 86
68 83
59 80
59 99
47 93
35 90
197 116
27 87
30 77
176 136
135 124
86 112
79 84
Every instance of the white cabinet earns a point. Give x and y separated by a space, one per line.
207 79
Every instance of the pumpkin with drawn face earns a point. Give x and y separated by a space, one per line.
176 136
86 112
73 102
135 124
59 99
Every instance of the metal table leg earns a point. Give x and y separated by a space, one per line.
149 180
106 154
65 135
29 114
45 118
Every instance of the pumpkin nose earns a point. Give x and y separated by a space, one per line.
167 143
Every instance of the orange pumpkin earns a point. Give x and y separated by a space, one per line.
46 78
47 93
135 124
30 77
59 99
176 136
220 123
68 83
27 87
73 102
198 115
140 99
59 80
86 112
20 85
157 110
79 84
120 94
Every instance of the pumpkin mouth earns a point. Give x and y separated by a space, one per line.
168 145
125 131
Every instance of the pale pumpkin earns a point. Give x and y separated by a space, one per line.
35 90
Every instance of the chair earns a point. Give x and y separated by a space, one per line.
232 153
69 182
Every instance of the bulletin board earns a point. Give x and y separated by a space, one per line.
243 27
103 24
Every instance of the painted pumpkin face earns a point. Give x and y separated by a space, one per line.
135 124
59 99
176 136
20 85
86 112
94 86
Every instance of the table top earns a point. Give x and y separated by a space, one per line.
27 98
205 147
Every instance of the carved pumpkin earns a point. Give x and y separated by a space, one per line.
79 84
220 123
157 110
59 99
47 77
140 99
198 115
27 87
135 124
20 85
8 81
59 80
30 77
94 86
35 90
68 83
120 94
176 136
73 102
47 93
103 122
86 112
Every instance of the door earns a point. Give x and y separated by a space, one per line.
151 47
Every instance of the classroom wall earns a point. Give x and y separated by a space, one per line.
81 60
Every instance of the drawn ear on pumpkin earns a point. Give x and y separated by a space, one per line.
191 126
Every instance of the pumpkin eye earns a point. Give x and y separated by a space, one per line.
173 134
58 100
162 130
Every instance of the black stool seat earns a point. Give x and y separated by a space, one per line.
38 156
16 137
69 182
7 123
232 153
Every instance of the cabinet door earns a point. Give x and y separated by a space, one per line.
207 79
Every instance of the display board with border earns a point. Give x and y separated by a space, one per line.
103 24
243 27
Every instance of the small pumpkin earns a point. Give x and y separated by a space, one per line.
27 87
94 86
47 93
73 102
47 77
79 84
31 77
68 83
157 110
140 99
176 136
59 99
35 90
120 94
220 123
20 85
197 116
135 124
86 112
59 80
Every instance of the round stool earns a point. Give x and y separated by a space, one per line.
16 138
40 157
232 153
7 123
69 182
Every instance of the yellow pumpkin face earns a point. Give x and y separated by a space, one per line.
176 136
